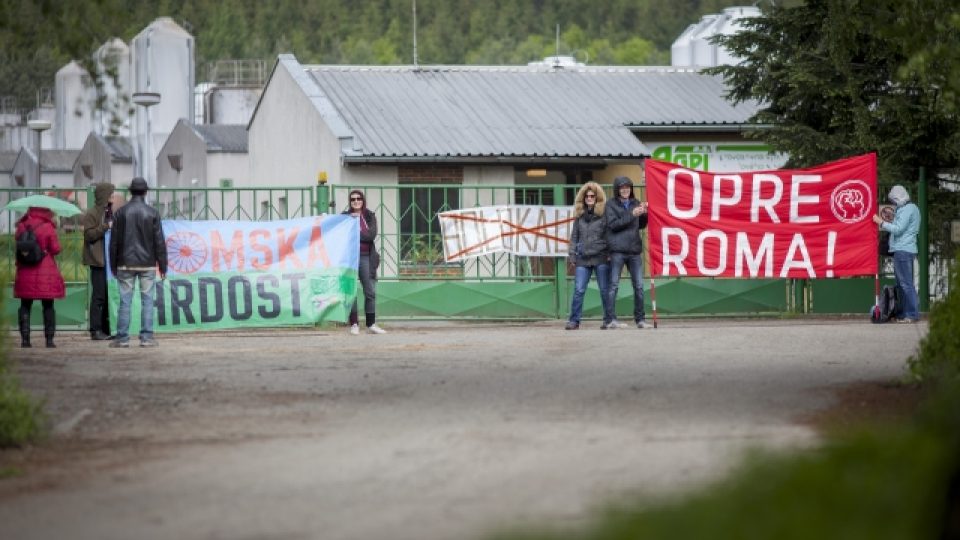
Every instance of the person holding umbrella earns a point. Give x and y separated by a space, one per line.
41 281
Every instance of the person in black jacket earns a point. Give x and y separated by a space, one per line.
627 217
137 251
369 261
589 252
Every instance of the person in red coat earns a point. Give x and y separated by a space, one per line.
41 281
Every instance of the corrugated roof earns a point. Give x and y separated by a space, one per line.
519 111
230 138
59 160
7 160
121 150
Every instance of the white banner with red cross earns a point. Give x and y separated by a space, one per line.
541 231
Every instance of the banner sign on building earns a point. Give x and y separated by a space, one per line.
539 231
231 274
719 157
800 223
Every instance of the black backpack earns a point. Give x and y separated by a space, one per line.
29 252
885 244
889 305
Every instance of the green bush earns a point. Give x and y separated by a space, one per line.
21 416
939 356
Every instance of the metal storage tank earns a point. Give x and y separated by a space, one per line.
114 112
231 104
704 52
681 52
731 25
74 102
163 63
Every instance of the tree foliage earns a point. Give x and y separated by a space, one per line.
837 78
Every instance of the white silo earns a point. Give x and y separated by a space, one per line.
231 104
163 63
704 52
113 116
74 99
732 24
681 52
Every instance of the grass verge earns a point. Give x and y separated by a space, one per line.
21 416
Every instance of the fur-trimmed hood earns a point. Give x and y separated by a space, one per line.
598 207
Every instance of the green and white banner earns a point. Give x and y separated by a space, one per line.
237 274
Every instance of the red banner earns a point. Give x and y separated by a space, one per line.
799 223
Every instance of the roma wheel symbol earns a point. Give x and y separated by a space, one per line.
186 252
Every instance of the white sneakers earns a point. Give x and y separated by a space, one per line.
644 324
374 329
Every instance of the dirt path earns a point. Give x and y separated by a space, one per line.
434 431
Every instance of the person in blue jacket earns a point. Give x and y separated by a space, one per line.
903 244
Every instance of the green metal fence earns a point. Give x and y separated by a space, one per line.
414 279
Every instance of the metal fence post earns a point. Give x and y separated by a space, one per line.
559 266
923 244
323 193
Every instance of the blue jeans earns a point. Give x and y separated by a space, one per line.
581 278
903 271
126 279
368 283
634 264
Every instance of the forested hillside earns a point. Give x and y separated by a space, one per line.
37 37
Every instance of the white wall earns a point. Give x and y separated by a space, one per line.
185 142
288 141
228 165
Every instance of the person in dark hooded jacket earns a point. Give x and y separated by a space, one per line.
589 251
627 217
96 221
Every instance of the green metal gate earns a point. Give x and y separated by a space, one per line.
414 280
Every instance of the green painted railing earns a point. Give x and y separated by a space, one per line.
414 279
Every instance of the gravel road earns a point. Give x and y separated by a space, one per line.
434 431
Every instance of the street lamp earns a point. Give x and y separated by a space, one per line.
145 100
39 126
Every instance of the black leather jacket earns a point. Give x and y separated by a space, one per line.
137 238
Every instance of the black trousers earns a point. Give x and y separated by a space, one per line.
99 314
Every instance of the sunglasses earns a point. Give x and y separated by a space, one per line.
590 196
356 199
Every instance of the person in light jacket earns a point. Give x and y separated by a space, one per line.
589 252
903 243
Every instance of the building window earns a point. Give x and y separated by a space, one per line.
176 161
424 192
